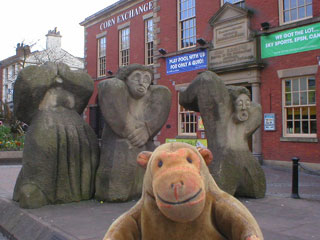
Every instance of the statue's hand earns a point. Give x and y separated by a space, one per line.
253 237
139 136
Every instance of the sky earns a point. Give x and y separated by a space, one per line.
28 21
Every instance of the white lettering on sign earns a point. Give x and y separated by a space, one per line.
126 15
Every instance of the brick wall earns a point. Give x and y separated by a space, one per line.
271 100
166 35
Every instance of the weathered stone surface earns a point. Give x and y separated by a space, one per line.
61 150
230 118
134 112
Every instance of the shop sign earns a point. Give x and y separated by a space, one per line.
291 41
269 122
126 15
187 62
194 142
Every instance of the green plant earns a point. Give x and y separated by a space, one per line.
10 141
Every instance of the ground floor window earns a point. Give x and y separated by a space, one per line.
187 122
299 107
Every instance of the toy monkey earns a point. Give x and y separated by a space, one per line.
181 201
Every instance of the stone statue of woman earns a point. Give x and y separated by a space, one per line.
60 156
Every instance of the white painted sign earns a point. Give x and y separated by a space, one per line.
126 15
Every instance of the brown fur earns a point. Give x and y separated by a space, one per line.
173 208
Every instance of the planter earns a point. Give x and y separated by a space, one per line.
10 157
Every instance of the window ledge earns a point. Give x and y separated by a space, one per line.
101 78
186 50
186 137
290 25
299 139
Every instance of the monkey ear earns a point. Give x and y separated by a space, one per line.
253 237
143 158
206 154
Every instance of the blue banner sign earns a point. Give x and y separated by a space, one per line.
187 62
269 122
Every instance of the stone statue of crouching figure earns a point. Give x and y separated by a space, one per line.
60 156
134 112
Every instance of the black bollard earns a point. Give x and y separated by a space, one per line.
295 177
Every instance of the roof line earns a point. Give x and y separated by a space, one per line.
104 11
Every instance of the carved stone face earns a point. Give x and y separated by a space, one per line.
242 105
138 83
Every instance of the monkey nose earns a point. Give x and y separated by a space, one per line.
177 184
177 187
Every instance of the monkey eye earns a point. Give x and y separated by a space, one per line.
189 160
160 163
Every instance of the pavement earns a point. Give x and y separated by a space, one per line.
279 216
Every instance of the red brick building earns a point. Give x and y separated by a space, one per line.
272 47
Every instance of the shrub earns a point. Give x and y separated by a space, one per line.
10 141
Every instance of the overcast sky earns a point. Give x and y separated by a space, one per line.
28 21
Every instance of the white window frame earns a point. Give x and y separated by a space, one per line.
102 52
149 43
298 106
281 13
240 3
183 112
6 74
124 50
180 22
13 72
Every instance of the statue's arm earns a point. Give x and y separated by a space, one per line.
126 227
234 220
158 109
77 82
205 93
255 118
113 95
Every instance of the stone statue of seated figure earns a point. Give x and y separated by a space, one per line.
134 112
60 156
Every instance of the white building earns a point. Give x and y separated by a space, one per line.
10 67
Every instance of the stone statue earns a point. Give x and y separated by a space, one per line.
60 156
134 112
229 118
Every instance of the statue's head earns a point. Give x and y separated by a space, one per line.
241 102
137 77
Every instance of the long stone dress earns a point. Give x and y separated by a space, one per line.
61 150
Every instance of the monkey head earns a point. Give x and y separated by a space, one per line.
174 178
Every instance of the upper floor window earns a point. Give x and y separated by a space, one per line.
124 46
239 3
13 71
102 45
187 23
6 74
295 10
299 107
149 41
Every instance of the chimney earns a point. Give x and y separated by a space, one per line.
53 39
22 50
